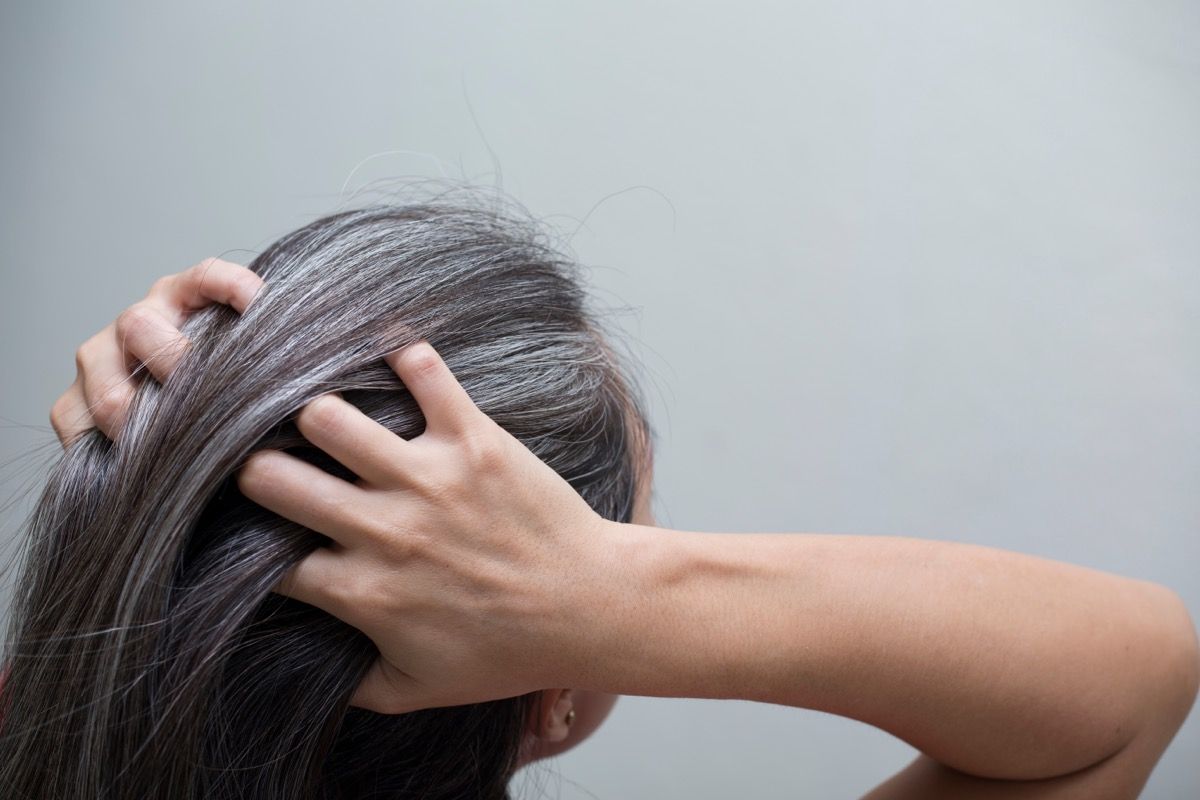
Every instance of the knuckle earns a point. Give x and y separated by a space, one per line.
483 452
132 320
340 506
110 406
86 353
198 273
371 594
204 269
57 413
256 472
162 284
401 545
62 405
374 592
322 415
421 361
246 280
378 525
384 533
306 584
437 483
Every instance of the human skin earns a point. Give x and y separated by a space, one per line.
1014 676
547 734
147 333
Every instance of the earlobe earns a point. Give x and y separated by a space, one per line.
554 715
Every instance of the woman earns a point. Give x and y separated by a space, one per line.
149 657
480 573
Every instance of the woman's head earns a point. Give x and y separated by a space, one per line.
148 655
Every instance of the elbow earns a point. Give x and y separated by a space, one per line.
1176 654
1186 656
1168 683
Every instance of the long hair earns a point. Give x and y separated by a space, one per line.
147 655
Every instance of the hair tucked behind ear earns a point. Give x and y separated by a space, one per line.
149 658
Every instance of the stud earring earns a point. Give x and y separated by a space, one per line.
570 717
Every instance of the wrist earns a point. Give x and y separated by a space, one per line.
606 607
652 620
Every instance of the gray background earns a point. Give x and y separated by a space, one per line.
922 268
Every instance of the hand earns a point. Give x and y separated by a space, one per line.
463 556
146 332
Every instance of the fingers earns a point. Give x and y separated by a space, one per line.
212 280
104 381
323 579
359 443
315 579
110 408
293 488
444 402
69 415
145 334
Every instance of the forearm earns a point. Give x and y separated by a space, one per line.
995 663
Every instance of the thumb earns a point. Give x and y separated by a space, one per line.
388 690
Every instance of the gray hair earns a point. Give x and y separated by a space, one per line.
148 656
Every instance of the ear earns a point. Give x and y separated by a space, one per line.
552 715
559 719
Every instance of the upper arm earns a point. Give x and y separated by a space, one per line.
926 779
1121 776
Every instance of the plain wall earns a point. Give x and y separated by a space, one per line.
926 269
